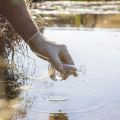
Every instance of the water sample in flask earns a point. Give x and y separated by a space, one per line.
78 72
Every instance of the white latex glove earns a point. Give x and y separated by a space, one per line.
54 53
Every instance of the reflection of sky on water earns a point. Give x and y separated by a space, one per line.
99 50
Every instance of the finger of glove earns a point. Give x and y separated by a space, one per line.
68 60
66 56
54 59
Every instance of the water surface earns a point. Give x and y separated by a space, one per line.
99 50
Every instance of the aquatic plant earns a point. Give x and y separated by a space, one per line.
13 53
10 41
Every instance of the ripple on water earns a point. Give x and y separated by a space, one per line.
68 100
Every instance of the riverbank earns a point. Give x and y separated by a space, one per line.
100 14
73 7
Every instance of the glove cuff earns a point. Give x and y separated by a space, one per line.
38 44
36 36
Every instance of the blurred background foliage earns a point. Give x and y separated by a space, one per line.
73 0
98 14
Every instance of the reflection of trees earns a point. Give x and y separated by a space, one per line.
58 116
13 103
88 20
85 20
10 83
62 20
9 94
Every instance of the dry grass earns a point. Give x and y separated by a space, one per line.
11 44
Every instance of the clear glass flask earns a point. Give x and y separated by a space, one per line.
78 72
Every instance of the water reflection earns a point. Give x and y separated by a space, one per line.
83 20
12 103
58 116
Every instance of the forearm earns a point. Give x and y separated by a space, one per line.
17 14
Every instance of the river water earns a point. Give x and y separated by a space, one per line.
95 97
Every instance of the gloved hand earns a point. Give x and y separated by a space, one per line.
54 53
